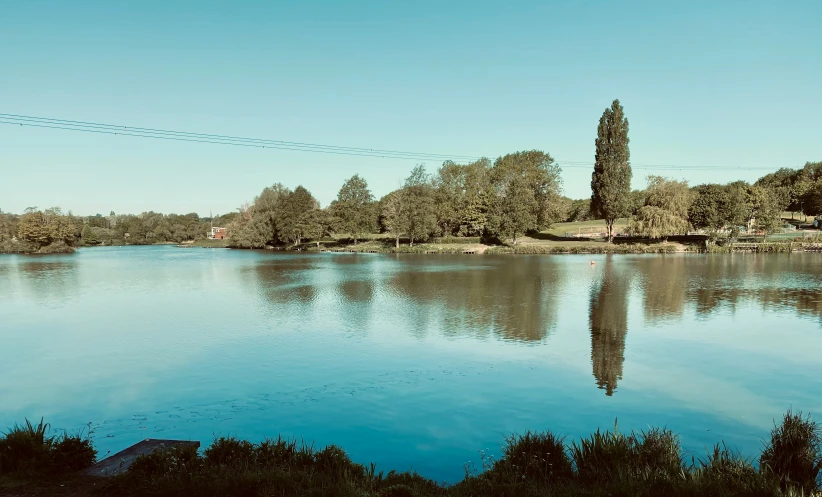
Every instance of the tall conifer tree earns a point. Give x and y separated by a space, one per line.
611 179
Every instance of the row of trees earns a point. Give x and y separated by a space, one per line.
36 229
504 199
669 207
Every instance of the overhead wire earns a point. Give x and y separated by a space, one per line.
208 138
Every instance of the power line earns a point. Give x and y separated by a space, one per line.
184 136
92 127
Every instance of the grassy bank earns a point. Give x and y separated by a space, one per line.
206 243
607 463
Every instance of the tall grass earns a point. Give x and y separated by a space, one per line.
29 448
794 452
606 463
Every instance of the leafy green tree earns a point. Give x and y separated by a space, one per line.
255 225
737 210
292 215
88 235
392 215
665 212
449 193
43 228
461 198
766 209
637 201
526 194
315 224
8 226
811 198
611 179
355 207
707 211
417 216
513 212
475 199
580 210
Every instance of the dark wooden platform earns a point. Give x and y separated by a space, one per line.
120 462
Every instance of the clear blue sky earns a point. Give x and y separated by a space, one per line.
728 84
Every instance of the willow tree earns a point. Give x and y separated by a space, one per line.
665 212
611 179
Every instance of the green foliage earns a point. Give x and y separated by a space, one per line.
580 210
525 194
43 228
417 218
8 226
665 212
811 198
794 452
707 211
539 457
230 451
28 448
461 198
293 217
72 452
255 225
611 179
355 208
647 463
89 237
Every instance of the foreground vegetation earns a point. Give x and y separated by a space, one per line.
607 463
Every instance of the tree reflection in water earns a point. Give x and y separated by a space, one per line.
608 319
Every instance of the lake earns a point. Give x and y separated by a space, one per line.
409 361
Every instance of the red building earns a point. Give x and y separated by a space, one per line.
218 233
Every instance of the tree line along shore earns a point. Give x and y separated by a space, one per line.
511 204
605 463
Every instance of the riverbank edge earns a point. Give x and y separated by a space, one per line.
649 462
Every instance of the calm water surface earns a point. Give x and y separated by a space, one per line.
408 361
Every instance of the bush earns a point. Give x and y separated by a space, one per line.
333 461
537 457
25 448
794 453
58 247
71 453
28 448
175 460
230 452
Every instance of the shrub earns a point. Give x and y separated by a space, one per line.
794 453
28 448
72 453
332 460
58 247
282 452
537 456
25 448
165 462
229 451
